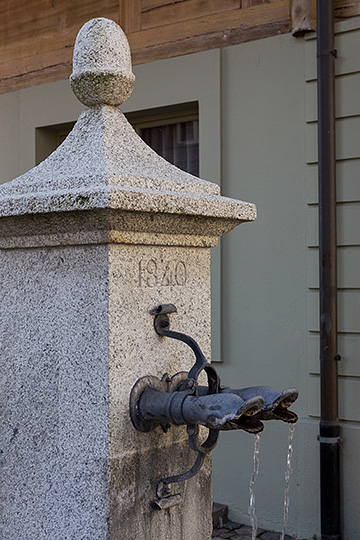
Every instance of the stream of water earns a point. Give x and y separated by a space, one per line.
254 474
287 479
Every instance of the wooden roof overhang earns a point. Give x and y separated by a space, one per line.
37 36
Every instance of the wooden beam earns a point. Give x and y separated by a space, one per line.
185 11
130 15
248 3
37 36
219 30
303 17
153 4
54 73
303 14
210 41
346 8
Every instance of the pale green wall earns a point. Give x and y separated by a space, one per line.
347 87
9 136
264 274
270 294
257 138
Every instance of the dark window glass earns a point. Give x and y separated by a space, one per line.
177 143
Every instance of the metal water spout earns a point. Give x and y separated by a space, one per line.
276 404
179 400
213 411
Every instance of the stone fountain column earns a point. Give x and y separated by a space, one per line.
92 239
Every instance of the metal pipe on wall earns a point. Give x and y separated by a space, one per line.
329 424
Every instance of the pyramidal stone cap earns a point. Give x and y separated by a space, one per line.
104 166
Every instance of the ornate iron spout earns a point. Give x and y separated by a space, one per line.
276 404
180 400
211 410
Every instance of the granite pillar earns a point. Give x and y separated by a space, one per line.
90 240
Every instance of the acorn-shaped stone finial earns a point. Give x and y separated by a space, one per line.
102 73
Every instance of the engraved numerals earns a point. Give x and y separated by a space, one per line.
155 273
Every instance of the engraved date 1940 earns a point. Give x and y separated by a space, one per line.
155 273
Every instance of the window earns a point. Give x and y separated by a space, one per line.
173 133
48 138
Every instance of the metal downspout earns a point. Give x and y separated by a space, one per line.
329 424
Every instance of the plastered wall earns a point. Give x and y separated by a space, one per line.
264 276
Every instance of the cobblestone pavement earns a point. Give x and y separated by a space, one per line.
236 531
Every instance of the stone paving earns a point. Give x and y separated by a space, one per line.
237 531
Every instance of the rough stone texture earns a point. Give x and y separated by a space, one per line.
141 278
83 337
219 513
102 71
246 529
236 531
269 535
92 238
54 393
107 225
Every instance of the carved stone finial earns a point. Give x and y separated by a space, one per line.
102 73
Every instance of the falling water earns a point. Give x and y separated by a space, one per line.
287 479
252 483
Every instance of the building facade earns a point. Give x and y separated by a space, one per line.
253 86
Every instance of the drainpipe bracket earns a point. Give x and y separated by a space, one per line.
329 440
